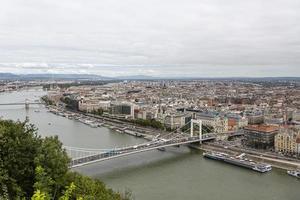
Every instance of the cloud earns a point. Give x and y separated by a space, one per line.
153 37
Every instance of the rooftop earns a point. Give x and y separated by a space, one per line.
262 128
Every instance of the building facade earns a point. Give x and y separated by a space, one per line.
260 136
287 141
219 124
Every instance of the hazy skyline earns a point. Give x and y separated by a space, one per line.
199 38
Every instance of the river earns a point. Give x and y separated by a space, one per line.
176 174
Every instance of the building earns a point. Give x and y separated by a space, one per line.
173 121
296 116
255 118
287 141
89 105
122 109
260 136
219 124
236 122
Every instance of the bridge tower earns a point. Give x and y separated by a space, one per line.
199 122
27 104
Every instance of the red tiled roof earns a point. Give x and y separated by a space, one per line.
262 128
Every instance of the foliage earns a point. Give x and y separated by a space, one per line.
36 168
38 195
19 146
47 100
150 123
98 112
42 184
68 193
70 102
88 188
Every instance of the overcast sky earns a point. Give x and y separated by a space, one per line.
151 37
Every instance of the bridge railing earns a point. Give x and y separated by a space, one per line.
112 152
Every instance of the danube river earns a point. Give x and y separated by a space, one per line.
177 174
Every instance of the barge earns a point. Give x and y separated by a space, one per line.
240 161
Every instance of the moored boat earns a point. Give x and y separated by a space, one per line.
295 173
239 160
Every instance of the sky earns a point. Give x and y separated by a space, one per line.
173 38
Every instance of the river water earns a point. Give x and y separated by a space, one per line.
176 174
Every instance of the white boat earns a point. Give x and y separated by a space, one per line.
295 173
93 125
261 167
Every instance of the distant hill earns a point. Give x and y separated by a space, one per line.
7 76
137 77
66 76
92 77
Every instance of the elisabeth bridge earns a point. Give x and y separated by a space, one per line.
84 156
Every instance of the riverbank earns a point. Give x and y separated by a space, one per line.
95 121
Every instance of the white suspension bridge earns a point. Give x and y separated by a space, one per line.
26 103
84 156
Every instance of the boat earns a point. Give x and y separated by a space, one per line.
93 125
215 155
161 149
262 167
240 161
100 124
295 173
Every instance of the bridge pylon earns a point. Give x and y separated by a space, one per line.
27 104
199 122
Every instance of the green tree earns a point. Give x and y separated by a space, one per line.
90 189
149 122
38 195
99 111
36 168
19 146
43 183
54 160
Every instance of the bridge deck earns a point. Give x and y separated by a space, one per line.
16 104
133 150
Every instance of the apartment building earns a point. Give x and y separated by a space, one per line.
287 141
90 104
173 121
219 124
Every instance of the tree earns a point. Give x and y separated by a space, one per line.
150 123
54 160
19 145
99 111
47 101
37 168
43 184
